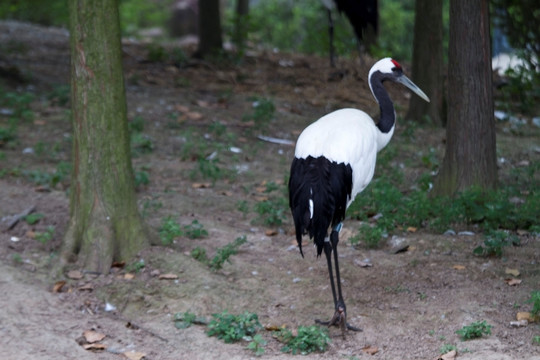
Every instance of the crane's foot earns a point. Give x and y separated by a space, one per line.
339 319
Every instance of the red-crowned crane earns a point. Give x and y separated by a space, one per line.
362 14
334 160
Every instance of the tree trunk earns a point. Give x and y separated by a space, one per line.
427 63
210 41
470 158
241 24
104 224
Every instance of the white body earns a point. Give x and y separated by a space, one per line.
346 136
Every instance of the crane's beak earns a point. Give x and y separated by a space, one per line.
408 83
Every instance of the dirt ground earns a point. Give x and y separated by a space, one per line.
409 304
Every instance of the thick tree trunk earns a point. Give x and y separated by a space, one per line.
427 63
210 40
104 221
470 158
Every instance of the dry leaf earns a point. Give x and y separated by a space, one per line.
202 103
513 272
451 355
371 350
94 347
92 336
522 315
182 108
226 193
31 234
458 267
58 286
129 276
75 275
168 276
193 115
270 232
513 282
87 286
134 355
118 264
201 185
412 229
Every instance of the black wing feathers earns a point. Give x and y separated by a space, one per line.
328 184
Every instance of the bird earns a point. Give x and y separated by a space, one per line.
362 14
334 160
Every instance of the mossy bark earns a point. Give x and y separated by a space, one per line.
470 158
105 224
427 63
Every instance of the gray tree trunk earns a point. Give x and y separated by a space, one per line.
470 158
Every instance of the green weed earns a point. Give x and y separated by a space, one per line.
195 230
186 319
33 218
232 328
223 254
46 236
142 178
136 266
309 339
446 348
257 345
169 230
536 340
263 112
474 331
495 242
141 144
535 300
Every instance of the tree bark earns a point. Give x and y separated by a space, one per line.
427 63
470 158
241 24
104 224
210 40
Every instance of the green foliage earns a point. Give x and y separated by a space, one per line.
475 330
39 177
446 348
223 254
46 236
309 339
60 95
136 266
536 340
33 218
232 328
208 169
195 230
52 12
263 112
273 210
140 14
169 230
141 144
142 178
186 319
535 300
494 243
257 345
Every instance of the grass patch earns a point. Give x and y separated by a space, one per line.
474 331
223 254
232 328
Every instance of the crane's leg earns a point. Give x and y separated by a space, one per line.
331 35
340 316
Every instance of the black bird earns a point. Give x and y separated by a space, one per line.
362 14
334 161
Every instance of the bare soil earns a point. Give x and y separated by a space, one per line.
409 304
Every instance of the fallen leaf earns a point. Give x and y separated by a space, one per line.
31 234
226 193
523 315
118 264
270 232
129 276
520 323
451 355
371 350
182 108
168 276
513 272
458 267
201 185
194 115
75 275
274 327
94 347
202 103
92 336
58 286
412 229
513 282
134 355
87 287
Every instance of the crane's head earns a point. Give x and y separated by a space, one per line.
390 69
